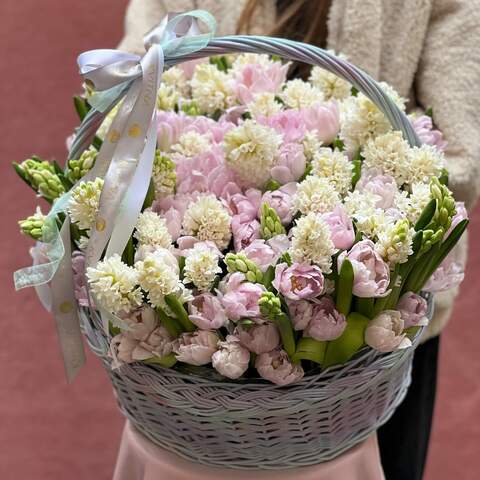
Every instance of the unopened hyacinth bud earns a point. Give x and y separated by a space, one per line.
270 305
32 225
163 175
270 222
42 177
77 168
238 262
442 218
395 242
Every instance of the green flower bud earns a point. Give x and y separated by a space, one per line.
32 226
78 168
190 108
270 223
270 305
238 262
163 175
42 177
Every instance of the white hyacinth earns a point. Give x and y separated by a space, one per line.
300 94
158 274
175 77
167 97
164 176
264 104
207 219
251 151
151 229
411 205
211 89
311 144
251 58
201 267
115 285
334 166
311 242
192 143
83 204
425 162
332 86
390 154
315 194
394 242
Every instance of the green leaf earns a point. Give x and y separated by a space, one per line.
427 214
356 172
128 254
338 143
170 323
272 185
81 106
344 287
429 112
21 174
285 328
180 313
310 349
166 361
340 350
365 306
150 196
443 178
268 277
97 142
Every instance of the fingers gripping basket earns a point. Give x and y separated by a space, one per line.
254 424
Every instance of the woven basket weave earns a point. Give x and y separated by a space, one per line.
253 424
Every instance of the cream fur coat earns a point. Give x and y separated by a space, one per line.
427 49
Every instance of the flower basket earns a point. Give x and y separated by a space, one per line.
254 424
219 268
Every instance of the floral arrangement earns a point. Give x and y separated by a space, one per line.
286 224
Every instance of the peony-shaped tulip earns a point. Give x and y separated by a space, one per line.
341 227
413 310
327 322
384 332
423 127
276 367
245 205
231 359
290 165
324 119
371 273
240 298
260 338
196 348
244 232
260 252
384 187
206 312
281 201
301 312
299 281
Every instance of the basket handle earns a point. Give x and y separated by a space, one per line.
303 52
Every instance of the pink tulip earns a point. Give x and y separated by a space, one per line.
260 338
244 232
240 298
371 273
281 201
261 253
461 214
231 359
289 123
299 281
190 66
255 78
341 227
423 127
206 312
170 126
277 368
327 322
196 348
291 164
324 119
245 205
301 312
448 275
384 332
413 310
382 186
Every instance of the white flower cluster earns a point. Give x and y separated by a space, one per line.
207 219
251 151
83 204
201 267
151 229
300 94
315 194
335 167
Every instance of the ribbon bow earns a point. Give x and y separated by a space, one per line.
124 161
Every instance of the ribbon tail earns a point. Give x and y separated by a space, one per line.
65 311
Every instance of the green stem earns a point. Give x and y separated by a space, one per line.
344 287
364 306
171 325
286 333
179 310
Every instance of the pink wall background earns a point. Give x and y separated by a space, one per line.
49 430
